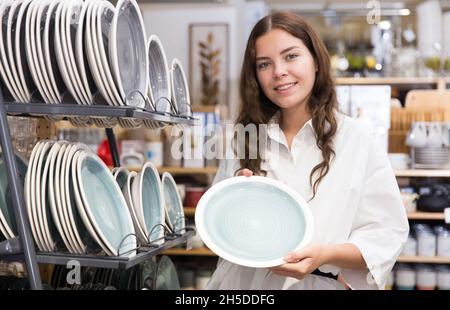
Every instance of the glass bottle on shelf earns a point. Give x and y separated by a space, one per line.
405 58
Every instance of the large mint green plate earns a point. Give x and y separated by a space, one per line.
253 221
105 205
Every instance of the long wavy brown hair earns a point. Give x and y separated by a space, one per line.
257 109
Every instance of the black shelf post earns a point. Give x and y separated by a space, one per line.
18 201
113 147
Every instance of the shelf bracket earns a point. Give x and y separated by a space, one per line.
113 147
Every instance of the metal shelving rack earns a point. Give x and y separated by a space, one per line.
24 244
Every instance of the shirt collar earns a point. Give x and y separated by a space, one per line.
274 131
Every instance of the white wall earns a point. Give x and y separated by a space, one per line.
171 23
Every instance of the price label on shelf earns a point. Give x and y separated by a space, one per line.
447 215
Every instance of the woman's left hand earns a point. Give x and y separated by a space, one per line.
301 263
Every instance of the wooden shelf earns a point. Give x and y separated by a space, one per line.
189 211
390 81
423 259
179 170
193 252
423 173
400 259
426 216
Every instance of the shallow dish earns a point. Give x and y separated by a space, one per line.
253 221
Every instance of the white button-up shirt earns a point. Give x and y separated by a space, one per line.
357 202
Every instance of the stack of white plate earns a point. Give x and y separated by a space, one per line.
14 70
88 52
431 155
168 90
74 203
52 41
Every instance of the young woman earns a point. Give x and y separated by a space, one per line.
334 161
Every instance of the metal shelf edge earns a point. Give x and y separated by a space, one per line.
39 109
110 262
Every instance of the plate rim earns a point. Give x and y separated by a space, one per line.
4 69
41 7
46 147
46 46
101 54
58 195
150 166
155 39
177 63
69 8
89 41
203 232
9 47
59 53
127 193
28 193
82 208
33 49
68 208
79 57
113 46
169 177
29 54
59 147
18 53
83 156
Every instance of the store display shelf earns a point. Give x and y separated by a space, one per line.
424 259
40 109
426 216
179 170
423 173
189 211
113 262
388 80
193 252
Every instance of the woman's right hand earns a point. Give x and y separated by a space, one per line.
245 172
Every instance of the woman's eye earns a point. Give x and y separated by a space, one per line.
291 56
263 65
